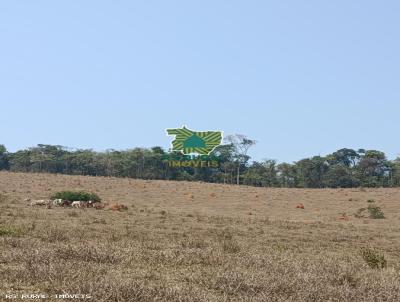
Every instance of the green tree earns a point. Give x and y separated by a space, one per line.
241 145
340 176
311 171
262 174
227 167
374 169
345 157
287 175
343 168
20 161
4 160
395 175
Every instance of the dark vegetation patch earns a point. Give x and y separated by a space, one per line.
76 196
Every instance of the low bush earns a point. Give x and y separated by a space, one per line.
373 258
372 212
375 212
10 231
75 196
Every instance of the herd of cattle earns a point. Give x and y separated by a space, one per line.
65 203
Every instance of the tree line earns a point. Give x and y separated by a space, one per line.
344 168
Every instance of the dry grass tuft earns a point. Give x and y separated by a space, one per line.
118 207
100 205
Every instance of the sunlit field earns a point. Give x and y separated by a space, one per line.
185 241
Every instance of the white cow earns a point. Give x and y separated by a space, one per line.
78 204
57 202
41 202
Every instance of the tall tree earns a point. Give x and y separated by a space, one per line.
225 155
345 157
311 171
262 174
241 145
4 160
287 175
373 168
340 176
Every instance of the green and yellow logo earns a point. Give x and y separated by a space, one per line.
189 141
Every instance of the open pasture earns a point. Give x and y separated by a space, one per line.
185 241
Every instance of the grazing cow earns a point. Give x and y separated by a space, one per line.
77 204
66 203
90 204
57 202
40 202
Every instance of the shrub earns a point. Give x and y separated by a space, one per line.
10 231
373 258
370 200
74 196
375 212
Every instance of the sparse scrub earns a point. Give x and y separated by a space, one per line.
373 258
373 212
10 231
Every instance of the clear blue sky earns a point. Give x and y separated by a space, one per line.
300 77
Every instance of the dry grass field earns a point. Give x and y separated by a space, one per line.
181 241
